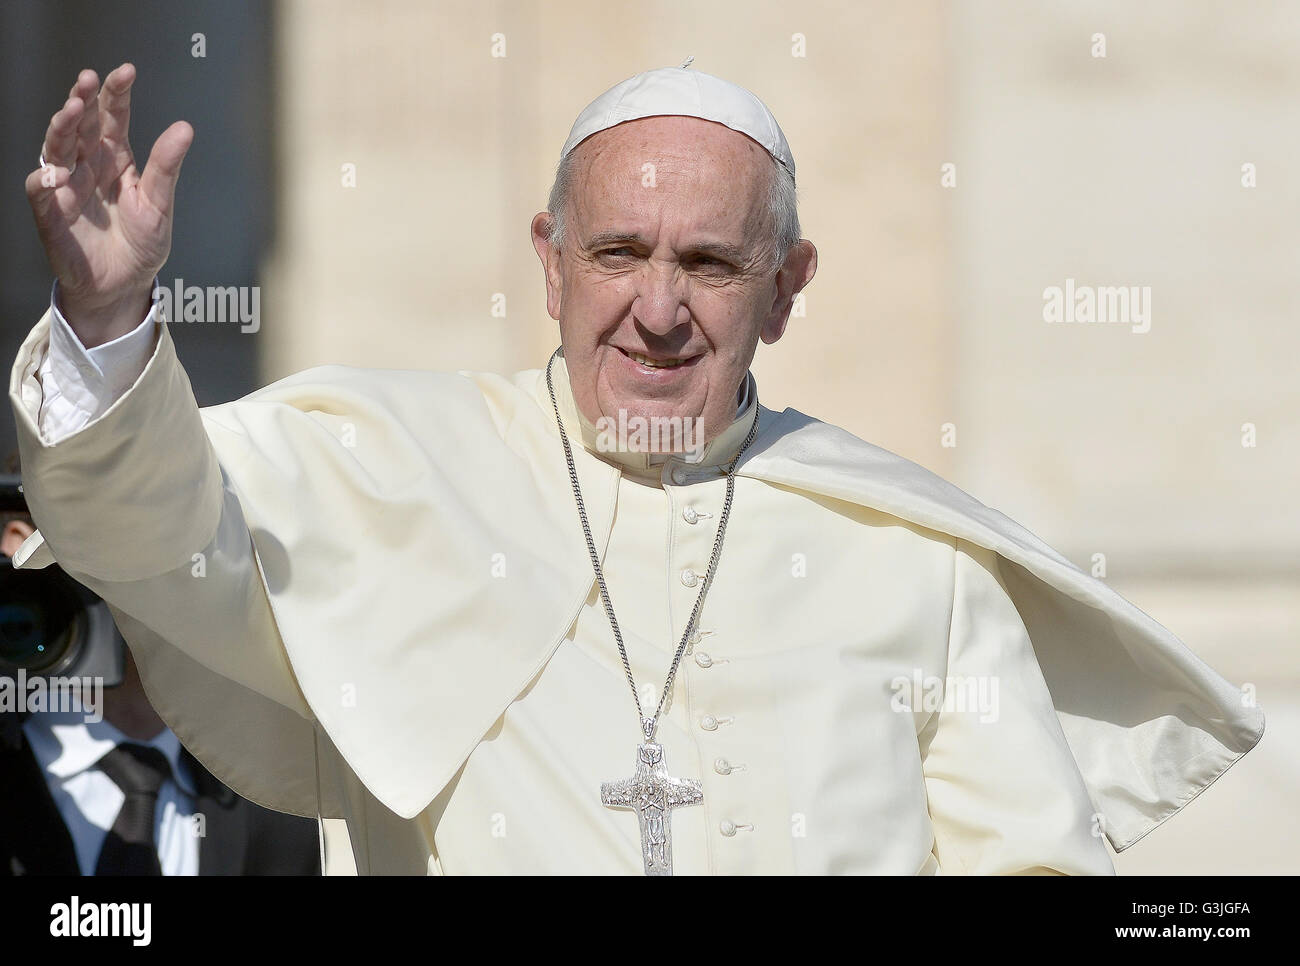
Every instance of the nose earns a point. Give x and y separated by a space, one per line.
660 304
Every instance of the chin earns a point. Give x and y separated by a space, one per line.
651 407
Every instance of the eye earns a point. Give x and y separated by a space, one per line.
615 252
706 262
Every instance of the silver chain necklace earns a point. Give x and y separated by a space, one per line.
651 792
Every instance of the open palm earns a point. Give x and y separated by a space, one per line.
105 226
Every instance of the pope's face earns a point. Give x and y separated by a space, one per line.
664 282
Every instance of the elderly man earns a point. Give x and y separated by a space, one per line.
608 615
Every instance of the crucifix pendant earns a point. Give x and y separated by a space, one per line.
653 794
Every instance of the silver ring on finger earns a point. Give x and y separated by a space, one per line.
45 164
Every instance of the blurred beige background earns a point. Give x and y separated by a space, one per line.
927 310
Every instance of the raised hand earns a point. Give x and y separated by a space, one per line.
106 227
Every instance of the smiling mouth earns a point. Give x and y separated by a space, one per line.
649 363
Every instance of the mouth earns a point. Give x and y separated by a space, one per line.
653 363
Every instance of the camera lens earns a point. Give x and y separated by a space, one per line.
41 628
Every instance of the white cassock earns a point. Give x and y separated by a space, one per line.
411 638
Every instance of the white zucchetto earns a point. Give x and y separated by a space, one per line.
689 93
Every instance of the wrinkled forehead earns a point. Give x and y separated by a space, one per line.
698 173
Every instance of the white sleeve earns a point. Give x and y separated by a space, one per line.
136 506
79 384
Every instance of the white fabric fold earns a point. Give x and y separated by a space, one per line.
293 509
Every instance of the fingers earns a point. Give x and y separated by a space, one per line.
115 115
74 132
60 145
91 114
88 128
163 169
87 83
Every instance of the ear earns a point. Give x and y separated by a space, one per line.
13 535
794 274
550 257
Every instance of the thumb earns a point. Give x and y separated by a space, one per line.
164 167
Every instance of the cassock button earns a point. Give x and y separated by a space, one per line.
703 660
690 578
690 516
722 766
680 475
709 723
727 828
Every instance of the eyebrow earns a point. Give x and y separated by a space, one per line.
721 250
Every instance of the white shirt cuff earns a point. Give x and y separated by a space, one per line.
79 384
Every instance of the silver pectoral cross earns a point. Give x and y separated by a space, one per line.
653 794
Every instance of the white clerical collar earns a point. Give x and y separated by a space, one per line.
719 450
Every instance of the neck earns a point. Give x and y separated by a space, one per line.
609 444
127 708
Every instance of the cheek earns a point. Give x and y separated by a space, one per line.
731 326
595 307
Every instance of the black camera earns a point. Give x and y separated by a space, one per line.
50 625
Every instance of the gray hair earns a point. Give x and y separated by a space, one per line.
782 203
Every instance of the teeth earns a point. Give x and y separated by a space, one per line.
654 363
